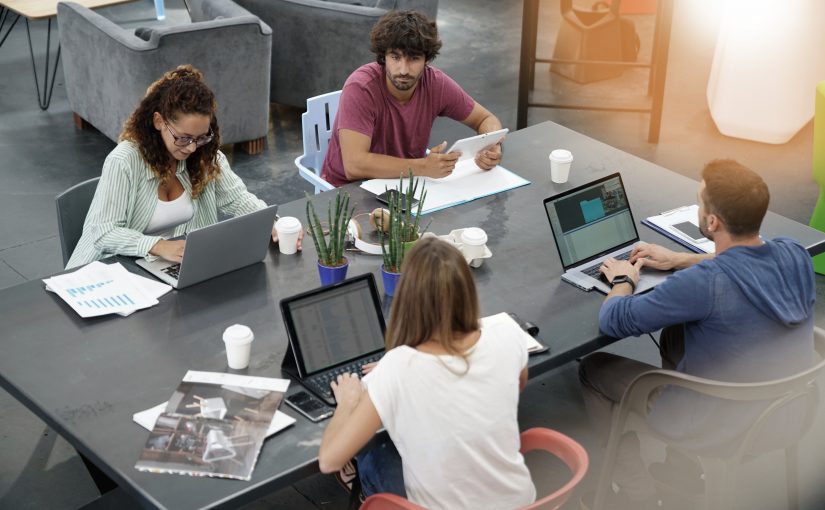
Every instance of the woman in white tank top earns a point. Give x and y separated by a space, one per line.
446 391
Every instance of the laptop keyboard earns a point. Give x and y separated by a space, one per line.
594 270
172 270
320 383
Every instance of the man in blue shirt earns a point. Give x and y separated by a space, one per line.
744 314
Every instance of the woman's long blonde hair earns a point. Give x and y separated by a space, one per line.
435 299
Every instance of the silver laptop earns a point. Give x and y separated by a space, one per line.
217 249
592 223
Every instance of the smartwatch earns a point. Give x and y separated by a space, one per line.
623 278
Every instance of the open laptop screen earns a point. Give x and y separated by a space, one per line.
335 324
591 220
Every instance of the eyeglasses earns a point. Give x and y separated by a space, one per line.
186 141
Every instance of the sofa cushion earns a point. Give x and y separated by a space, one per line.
220 9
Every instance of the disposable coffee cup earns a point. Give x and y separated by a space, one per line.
560 161
238 340
288 229
474 240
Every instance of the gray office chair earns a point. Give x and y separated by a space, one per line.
72 206
720 465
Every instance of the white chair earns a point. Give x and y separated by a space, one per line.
317 125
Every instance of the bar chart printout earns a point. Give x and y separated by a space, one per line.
99 289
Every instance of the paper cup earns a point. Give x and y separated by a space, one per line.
238 340
560 161
288 229
474 239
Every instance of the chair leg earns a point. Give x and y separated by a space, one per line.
80 122
791 476
719 481
253 147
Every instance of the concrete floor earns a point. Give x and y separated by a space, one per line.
41 154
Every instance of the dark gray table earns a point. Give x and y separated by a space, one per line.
86 377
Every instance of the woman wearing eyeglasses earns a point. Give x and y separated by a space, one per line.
166 176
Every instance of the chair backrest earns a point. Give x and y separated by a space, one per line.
72 206
565 448
777 394
317 127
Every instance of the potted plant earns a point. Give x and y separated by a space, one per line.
399 229
332 265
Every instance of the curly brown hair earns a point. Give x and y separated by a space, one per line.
410 32
180 91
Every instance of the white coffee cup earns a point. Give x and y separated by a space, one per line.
238 340
288 229
473 240
560 160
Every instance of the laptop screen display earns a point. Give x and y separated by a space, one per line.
336 324
591 221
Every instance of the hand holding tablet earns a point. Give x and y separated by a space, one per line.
470 147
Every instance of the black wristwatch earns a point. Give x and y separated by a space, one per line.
623 278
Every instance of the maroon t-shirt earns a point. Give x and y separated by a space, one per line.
403 131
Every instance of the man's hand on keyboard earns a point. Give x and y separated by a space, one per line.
653 255
347 390
613 268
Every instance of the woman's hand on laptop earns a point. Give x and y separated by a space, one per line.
169 250
366 368
347 389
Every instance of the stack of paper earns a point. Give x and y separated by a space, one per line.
504 318
100 289
673 224
214 425
467 182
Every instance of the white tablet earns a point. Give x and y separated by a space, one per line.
469 147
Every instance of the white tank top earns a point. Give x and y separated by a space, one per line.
169 215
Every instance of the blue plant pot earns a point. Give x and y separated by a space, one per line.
390 281
330 275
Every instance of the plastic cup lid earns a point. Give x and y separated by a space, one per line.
238 334
474 236
561 156
288 225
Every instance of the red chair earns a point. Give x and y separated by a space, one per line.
550 441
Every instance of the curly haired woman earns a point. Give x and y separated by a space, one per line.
166 177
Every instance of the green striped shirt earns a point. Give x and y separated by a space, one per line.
127 195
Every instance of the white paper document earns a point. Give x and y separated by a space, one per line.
672 224
504 318
467 182
100 289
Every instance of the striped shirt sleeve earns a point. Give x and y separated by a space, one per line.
105 231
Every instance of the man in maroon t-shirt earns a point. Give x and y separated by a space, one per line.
387 108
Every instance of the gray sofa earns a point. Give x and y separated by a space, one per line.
318 43
108 68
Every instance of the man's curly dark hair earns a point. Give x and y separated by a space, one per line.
410 32
180 91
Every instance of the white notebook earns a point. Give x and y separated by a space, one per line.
468 182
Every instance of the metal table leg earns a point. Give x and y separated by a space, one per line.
4 16
48 84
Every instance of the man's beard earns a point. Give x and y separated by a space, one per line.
703 228
405 85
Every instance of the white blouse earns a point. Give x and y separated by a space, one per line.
169 215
